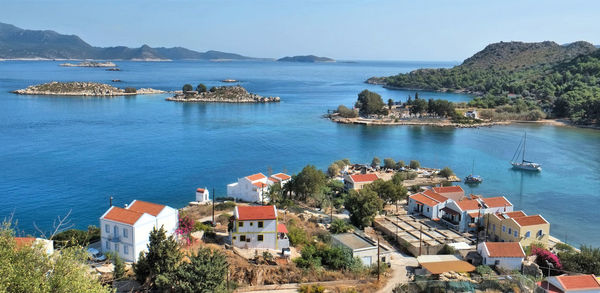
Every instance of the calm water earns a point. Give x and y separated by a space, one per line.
64 153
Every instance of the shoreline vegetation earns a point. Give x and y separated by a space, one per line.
76 88
558 81
220 94
89 64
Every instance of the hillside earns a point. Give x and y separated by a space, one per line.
305 58
563 81
21 43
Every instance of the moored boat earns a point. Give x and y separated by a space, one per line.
524 164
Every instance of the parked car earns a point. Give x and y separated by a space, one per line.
95 255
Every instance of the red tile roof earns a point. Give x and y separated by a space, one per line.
515 214
504 249
530 220
281 176
468 204
24 241
122 215
273 179
364 177
437 268
435 195
424 199
475 215
496 202
448 189
256 213
281 228
201 190
256 176
259 184
146 207
579 282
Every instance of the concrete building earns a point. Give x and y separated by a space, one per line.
257 227
362 247
357 181
125 231
467 214
202 195
427 203
254 188
517 227
569 284
505 255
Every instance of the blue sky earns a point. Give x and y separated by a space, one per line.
349 29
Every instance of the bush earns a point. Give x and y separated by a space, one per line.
346 112
447 249
311 289
544 256
187 88
483 270
297 236
74 237
201 88
339 226
224 206
223 219
198 226
446 172
130 90
213 89
333 257
267 256
414 164
389 163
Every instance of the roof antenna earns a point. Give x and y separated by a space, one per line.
110 201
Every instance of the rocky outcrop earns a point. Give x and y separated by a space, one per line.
56 88
90 64
223 94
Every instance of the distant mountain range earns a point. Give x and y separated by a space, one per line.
306 58
17 43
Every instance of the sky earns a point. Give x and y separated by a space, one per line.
346 29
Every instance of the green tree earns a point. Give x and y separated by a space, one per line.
419 106
75 237
446 172
587 261
339 226
205 272
333 170
119 270
363 207
375 162
201 88
309 182
275 193
130 90
155 268
187 88
346 112
390 104
414 164
370 103
400 164
389 163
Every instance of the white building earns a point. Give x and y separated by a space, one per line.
202 195
126 230
505 255
570 284
427 203
362 247
45 244
254 188
466 214
472 114
257 227
357 181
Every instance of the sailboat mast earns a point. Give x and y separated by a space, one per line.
524 145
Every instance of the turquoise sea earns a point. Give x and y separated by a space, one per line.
61 154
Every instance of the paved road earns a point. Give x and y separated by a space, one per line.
398 262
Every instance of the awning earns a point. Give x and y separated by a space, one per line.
281 228
450 211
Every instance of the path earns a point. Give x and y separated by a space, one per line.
398 262
293 287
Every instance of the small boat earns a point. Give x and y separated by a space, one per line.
473 179
523 164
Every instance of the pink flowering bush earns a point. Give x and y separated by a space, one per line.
543 255
185 227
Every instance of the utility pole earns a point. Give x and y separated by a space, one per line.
110 198
378 259
213 207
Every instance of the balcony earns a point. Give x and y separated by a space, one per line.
451 224
114 238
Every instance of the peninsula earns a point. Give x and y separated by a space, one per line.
306 58
221 94
77 88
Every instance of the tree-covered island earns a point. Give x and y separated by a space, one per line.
219 94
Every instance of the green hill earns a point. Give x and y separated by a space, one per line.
561 80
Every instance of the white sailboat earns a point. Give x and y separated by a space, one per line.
523 164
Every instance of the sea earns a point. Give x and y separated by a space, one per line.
68 155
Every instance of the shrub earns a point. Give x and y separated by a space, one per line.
414 164
446 172
346 112
311 289
297 236
223 218
267 256
544 256
74 237
224 206
130 90
201 88
447 249
483 270
389 163
187 88
339 226
198 226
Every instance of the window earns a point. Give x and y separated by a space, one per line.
260 237
251 223
125 249
242 238
528 234
516 233
117 247
234 237
116 231
125 233
107 245
509 231
107 228
240 224
494 227
260 224
503 228
428 209
540 233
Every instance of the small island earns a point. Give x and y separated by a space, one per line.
90 64
77 88
220 94
306 58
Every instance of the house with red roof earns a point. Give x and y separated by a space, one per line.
505 255
455 193
467 214
258 227
517 227
255 187
125 231
427 203
45 244
202 196
357 181
569 284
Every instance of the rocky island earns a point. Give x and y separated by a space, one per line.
221 94
90 64
77 88
307 58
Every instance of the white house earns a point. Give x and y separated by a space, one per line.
45 244
363 248
570 284
202 195
257 227
466 214
125 230
472 114
254 188
506 255
427 203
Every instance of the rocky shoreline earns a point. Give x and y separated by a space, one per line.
222 94
90 64
413 122
381 81
56 88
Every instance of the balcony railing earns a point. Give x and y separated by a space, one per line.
451 224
